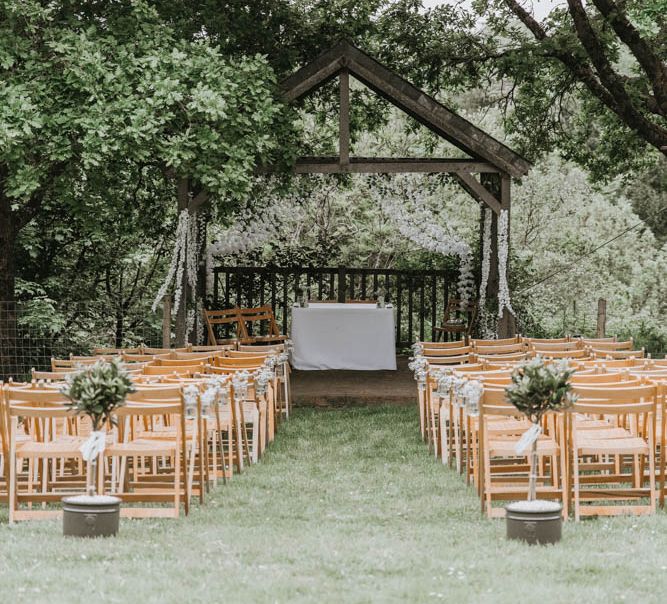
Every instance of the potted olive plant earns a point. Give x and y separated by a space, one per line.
95 391
537 387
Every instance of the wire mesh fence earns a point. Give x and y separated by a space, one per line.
32 332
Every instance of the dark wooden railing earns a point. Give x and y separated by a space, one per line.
419 297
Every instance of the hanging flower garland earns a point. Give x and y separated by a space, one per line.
416 224
250 230
183 259
486 269
486 256
503 253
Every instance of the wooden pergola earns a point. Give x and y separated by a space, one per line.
486 173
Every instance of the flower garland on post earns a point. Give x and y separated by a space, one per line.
486 269
503 253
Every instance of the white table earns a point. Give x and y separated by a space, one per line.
343 336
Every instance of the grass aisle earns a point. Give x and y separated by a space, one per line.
346 506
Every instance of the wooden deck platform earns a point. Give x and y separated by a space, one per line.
354 388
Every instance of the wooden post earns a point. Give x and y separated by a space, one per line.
602 318
491 182
341 284
344 119
166 321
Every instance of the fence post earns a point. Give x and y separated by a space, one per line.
602 318
166 322
341 284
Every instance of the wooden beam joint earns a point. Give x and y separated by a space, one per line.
479 191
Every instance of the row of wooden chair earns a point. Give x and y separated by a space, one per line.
603 456
179 434
520 348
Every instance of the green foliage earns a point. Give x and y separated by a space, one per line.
117 102
97 390
546 107
538 387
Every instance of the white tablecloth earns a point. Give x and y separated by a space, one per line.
343 336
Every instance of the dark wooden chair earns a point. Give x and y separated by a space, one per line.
250 316
458 322
229 316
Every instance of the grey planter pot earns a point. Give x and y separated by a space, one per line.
91 516
535 522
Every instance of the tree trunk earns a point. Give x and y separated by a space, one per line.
120 327
8 317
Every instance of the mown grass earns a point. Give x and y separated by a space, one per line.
347 506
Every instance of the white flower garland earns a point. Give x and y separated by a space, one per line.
486 256
249 231
183 258
503 253
487 332
417 224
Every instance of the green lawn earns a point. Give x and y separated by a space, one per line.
347 506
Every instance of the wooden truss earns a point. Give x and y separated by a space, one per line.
485 174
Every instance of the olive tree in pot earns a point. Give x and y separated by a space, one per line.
537 387
95 391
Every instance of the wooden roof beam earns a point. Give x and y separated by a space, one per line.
391 165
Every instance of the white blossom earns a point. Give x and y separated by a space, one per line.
416 222
503 252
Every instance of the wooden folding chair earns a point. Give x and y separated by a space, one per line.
500 349
171 370
609 344
254 417
48 441
499 342
457 320
149 465
530 341
215 318
69 364
115 351
55 376
163 351
512 357
251 320
283 391
608 458
618 354
504 472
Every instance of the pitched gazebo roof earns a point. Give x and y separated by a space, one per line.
487 153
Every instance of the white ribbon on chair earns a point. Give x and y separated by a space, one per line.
94 445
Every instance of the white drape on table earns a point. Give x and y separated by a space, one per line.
343 336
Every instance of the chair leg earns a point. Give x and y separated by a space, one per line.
12 481
575 476
487 483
